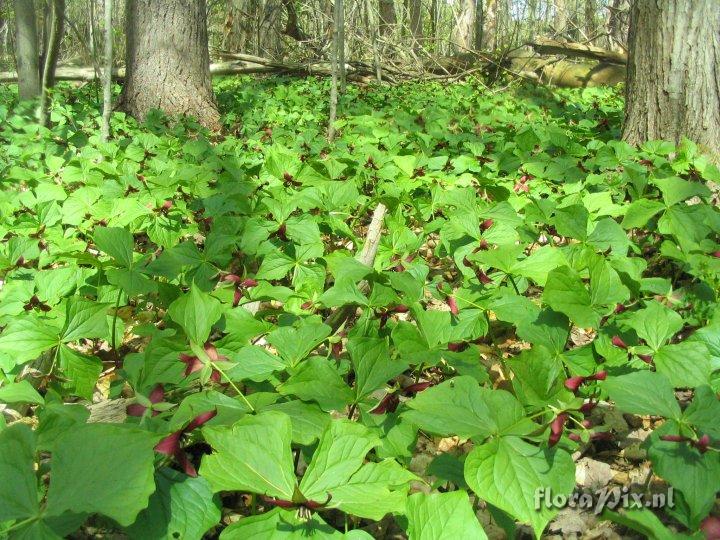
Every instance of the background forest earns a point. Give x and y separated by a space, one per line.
359 269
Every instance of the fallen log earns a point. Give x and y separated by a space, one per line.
240 67
568 74
571 48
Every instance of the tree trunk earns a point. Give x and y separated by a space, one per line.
673 87
416 29
462 34
590 19
617 24
107 73
388 18
26 50
490 20
54 26
560 19
167 59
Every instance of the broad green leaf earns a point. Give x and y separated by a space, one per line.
19 486
181 507
640 212
655 324
102 468
196 312
645 522
695 475
27 338
309 421
317 379
294 344
80 372
116 242
251 455
566 293
339 455
85 319
686 364
254 363
643 392
509 473
373 364
279 524
442 516
704 412
20 392
461 407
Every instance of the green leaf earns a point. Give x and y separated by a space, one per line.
317 379
18 489
80 372
254 363
294 344
442 516
339 455
20 392
252 455
643 521
643 392
373 365
279 524
686 364
377 489
309 421
572 221
116 242
181 507
27 338
639 213
655 324
84 319
461 407
196 312
509 473
102 468
566 293
695 475
275 265
704 412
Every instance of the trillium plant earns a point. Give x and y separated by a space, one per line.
194 340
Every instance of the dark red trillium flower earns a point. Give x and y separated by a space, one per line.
618 342
306 504
573 383
416 388
388 404
710 526
716 254
701 444
646 358
485 225
240 286
170 445
193 363
452 303
557 426
156 396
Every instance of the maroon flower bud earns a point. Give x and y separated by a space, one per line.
466 262
618 342
282 232
620 308
278 502
248 283
586 408
702 443
457 347
716 254
482 277
599 376
573 383
167 205
416 388
337 349
485 225
646 358
482 247
587 424
400 308
602 436
557 426
574 437
710 526
453 305
287 177
170 444
673 438
388 404
199 420
232 278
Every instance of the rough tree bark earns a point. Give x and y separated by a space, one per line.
26 50
560 19
54 26
617 24
107 72
388 17
673 87
462 33
416 29
167 59
490 20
